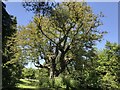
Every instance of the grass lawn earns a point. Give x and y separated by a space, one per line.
31 84
27 83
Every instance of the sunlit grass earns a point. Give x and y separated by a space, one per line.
33 84
29 80
27 83
26 86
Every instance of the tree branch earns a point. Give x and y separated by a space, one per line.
40 28
41 66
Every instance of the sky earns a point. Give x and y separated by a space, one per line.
110 21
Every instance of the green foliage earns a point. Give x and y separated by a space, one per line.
104 73
100 72
28 73
108 66
59 82
40 7
10 70
64 37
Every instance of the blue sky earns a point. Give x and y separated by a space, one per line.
110 21
109 9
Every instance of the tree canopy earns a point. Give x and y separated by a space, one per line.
69 34
9 70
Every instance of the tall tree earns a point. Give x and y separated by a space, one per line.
9 70
68 35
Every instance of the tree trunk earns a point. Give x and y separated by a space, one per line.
62 63
52 71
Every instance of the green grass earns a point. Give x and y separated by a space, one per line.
27 83
26 86
30 84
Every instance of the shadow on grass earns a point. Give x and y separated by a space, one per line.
14 88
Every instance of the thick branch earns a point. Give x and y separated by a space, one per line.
68 47
41 66
40 28
38 65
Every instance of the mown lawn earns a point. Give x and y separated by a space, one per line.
27 83
30 84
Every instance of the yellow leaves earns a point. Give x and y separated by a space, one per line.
37 20
42 21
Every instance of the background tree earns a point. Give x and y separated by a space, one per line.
9 70
108 66
103 74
